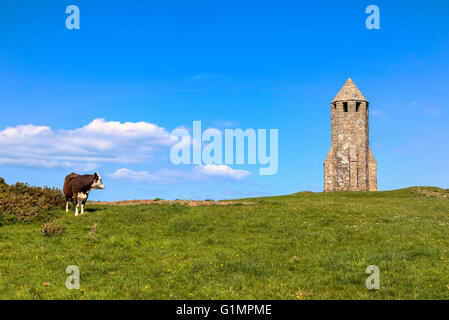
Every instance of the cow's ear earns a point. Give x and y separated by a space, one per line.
96 175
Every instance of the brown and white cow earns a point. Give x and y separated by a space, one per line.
77 188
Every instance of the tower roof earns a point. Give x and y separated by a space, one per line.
349 92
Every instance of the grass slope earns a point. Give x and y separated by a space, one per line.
300 246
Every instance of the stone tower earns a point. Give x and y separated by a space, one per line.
350 164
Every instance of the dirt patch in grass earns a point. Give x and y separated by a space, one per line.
191 203
432 192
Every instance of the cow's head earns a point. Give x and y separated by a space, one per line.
97 184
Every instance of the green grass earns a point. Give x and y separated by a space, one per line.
300 246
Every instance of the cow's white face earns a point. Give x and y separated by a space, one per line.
98 183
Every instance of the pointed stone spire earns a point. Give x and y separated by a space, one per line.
349 92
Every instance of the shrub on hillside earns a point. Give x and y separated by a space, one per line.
52 228
21 202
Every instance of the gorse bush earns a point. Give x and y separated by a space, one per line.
53 228
21 202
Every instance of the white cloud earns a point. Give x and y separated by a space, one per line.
162 176
223 171
98 142
48 164
133 176
206 172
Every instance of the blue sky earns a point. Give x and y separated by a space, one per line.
147 68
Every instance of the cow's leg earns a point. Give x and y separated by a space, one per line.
75 205
83 203
67 199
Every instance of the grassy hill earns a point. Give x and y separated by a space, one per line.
300 246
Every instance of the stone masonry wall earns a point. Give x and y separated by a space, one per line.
350 164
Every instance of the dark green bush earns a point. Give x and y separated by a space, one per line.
21 202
